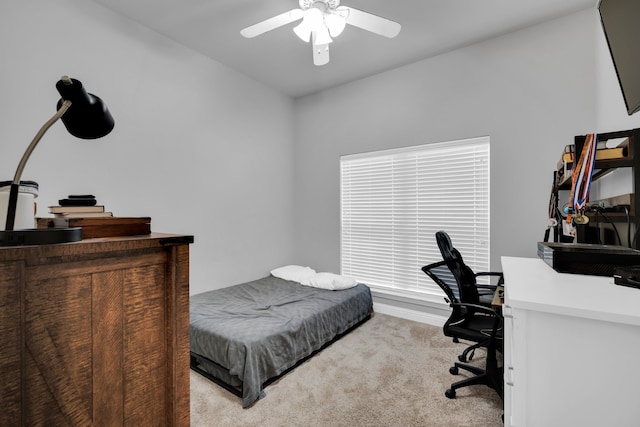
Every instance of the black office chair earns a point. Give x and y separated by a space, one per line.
470 319
474 293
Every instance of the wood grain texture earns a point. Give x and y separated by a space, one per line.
177 294
11 348
94 333
145 351
58 344
108 348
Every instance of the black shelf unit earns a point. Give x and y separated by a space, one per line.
602 168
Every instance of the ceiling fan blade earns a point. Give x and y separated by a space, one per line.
373 23
320 54
272 23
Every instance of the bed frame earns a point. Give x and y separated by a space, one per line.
198 361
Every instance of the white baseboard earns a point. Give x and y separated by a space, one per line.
405 313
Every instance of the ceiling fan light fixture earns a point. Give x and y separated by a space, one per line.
303 32
335 24
321 36
312 20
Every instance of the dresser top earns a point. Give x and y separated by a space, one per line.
101 244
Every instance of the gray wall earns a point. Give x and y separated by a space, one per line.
206 151
530 91
198 147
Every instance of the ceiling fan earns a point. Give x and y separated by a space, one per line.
322 20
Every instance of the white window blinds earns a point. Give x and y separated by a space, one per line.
394 201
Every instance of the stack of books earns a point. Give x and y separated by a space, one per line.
84 206
83 211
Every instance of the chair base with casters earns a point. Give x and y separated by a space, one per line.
490 376
468 353
485 329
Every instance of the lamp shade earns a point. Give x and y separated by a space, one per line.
88 117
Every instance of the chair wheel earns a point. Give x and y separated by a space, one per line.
450 393
453 370
462 358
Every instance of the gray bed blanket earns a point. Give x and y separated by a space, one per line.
258 330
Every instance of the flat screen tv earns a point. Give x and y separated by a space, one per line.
621 24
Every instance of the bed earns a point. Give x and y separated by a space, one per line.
244 336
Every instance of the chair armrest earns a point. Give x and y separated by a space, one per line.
492 273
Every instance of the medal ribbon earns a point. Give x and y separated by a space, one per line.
581 176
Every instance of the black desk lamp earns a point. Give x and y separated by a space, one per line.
85 116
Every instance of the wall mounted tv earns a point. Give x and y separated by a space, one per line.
621 25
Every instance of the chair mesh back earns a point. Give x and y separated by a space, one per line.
465 278
446 279
443 275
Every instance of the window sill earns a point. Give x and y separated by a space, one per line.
429 309
415 298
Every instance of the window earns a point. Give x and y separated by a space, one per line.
394 201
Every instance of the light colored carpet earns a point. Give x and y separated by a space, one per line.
387 372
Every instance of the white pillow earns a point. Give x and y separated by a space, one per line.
329 281
294 273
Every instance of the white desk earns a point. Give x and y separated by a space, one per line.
572 348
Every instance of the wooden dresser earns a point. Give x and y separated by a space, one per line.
96 332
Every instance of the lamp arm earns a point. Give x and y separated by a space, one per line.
15 184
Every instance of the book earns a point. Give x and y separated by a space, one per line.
101 227
83 214
69 209
570 148
605 150
77 202
601 154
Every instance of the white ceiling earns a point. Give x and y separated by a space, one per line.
281 60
